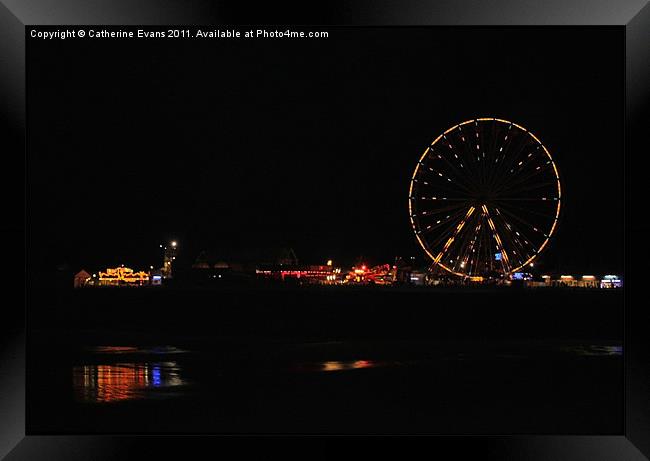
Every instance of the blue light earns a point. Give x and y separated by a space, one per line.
497 256
156 376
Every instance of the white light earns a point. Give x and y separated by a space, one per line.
174 243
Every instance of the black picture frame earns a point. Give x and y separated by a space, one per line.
632 15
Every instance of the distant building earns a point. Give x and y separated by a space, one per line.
403 269
244 260
310 274
123 276
611 281
156 278
585 281
589 281
382 274
418 277
81 278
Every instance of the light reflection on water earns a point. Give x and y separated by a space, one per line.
587 350
594 350
135 350
335 365
123 381
134 379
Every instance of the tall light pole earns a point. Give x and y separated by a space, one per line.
168 258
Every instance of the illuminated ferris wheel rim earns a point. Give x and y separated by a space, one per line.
437 260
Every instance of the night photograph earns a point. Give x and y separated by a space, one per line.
325 230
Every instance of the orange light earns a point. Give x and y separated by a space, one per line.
437 259
124 274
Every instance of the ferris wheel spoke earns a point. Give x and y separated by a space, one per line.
519 175
455 252
465 247
520 232
472 151
451 239
505 259
474 252
477 246
468 165
517 249
523 222
508 204
515 189
449 221
524 144
502 154
430 212
488 243
446 227
507 168
442 186
494 135
523 180
466 149
439 242
473 144
450 225
439 182
480 245
507 141
527 250
485 146
466 180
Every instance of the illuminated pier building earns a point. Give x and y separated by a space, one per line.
81 279
271 264
383 274
121 276
318 274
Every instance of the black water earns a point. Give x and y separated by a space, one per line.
328 361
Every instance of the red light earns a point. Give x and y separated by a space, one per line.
363 268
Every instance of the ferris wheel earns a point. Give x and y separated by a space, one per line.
485 198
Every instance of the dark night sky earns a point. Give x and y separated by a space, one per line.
308 144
